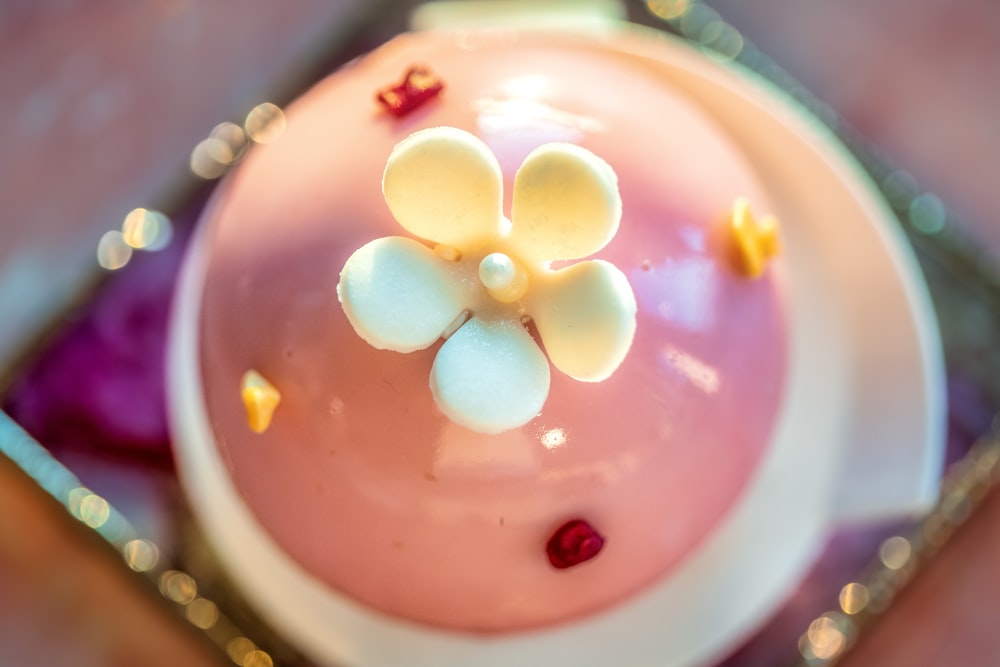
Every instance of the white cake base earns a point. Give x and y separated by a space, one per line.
861 434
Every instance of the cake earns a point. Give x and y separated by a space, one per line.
487 345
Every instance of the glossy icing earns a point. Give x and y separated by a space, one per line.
360 478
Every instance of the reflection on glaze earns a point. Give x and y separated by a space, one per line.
682 292
553 438
514 127
597 472
700 374
508 454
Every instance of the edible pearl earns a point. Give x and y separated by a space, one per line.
504 278
497 271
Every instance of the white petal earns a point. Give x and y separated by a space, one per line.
445 185
586 317
566 204
490 376
398 294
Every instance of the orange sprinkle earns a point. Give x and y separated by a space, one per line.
756 241
260 398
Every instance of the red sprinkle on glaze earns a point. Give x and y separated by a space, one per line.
417 87
574 542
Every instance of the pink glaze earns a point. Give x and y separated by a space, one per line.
360 479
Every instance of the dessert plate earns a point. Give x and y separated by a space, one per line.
860 435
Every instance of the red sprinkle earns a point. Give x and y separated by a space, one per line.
573 543
417 87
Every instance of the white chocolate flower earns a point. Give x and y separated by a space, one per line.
481 277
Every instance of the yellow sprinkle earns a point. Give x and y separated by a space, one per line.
756 241
260 398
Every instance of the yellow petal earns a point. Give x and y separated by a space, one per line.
566 204
444 185
586 317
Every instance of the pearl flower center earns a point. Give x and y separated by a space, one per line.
504 278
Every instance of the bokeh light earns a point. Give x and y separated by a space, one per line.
178 586
239 648
202 613
145 229
895 552
112 251
257 658
928 214
936 529
697 19
141 555
204 160
825 638
900 188
725 41
854 597
265 123
89 507
224 146
668 10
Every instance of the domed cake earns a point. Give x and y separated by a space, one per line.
487 344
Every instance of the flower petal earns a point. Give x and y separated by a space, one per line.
586 317
398 294
566 204
445 185
490 376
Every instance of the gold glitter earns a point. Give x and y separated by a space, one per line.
756 241
261 398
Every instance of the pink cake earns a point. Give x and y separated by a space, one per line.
359 477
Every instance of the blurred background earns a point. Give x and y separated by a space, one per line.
104 100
